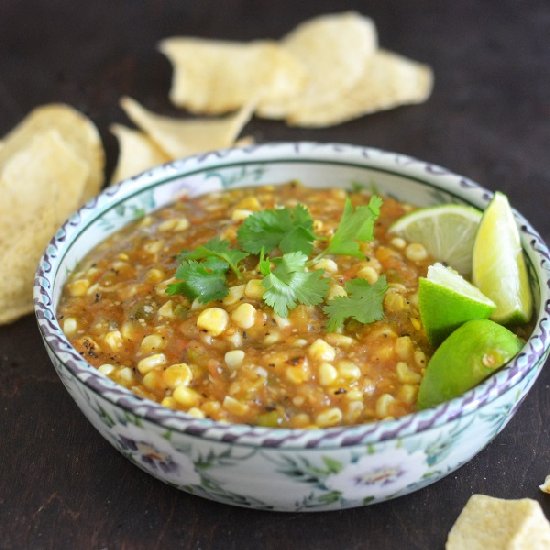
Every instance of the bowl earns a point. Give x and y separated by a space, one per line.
287 469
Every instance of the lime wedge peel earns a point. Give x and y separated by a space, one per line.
499 268
447 232
446 301
469 355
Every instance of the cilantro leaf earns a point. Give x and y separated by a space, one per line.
289 229
217 248
289 284
363 303
205 281
356 225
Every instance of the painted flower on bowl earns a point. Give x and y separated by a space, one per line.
378 474
155 455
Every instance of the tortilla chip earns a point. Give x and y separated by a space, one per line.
79 133
488 523
136 153
181 138
244 141
214 76
545 487
20 257
388 81
42 168
333 49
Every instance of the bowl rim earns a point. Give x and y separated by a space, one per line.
531 357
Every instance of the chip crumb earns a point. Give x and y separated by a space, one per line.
545 487
488 523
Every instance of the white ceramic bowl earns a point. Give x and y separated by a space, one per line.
282 469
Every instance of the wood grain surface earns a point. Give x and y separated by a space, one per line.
61 484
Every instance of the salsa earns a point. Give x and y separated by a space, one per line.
234 359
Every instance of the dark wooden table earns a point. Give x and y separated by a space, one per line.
61 484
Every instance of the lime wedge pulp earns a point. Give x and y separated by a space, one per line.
499 268
446 301
468 356
447 232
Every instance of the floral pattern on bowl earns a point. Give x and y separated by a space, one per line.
277 469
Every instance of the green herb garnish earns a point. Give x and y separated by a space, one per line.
363 303
288 229
289 284
356 226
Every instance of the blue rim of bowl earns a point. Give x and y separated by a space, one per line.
531 357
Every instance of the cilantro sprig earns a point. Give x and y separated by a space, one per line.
288 229
356 226
202 273
363 303
287 235
290 284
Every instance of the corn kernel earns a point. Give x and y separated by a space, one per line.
384 405
211 408
240 214
153 380
282 322
196 412
403 347
317 225
369 274
296 375
177 374
234 359
353 411
327 374
160 289
214 320
235 338
70 326
169 402
250 203
321 351
272 337
339 340
234 406
330 266
126 376
243 316
406 375
301 420
78 288
152 342
176 224
336 291
154 276
235 294
129 330
153 247
186 397
254 289
349 370
114 340
399 243
167 310
420 358
329 417
147 364
394 302
415 323
416 252
407 393
106 369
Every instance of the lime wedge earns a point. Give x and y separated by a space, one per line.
447 232
499 269
446 301
470 354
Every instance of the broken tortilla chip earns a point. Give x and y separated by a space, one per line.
136 153
488 523
20 256
545 487
42 167
78 132
333 49
215 76
181 138
388 81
